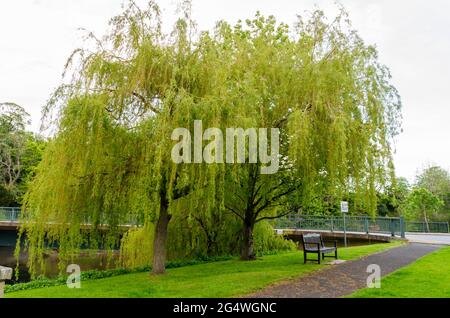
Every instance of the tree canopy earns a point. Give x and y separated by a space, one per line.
110 158
437 180
20 152
421 204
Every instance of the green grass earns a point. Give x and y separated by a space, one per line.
232 278
428 277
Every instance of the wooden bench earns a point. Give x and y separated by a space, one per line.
313 244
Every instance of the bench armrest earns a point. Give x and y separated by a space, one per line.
331 241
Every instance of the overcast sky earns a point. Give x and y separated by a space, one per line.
413 39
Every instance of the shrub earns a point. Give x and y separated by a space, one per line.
136 248
267 242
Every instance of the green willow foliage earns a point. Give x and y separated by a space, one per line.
109 161
136 248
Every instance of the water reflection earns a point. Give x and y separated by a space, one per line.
86 260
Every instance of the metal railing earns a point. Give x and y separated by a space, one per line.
12 214
363 224
432 227
9 214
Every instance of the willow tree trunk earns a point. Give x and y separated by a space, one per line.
247 253
159 244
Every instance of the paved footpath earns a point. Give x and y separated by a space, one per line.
346 278
442 239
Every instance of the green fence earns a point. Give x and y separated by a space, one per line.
432 227
9 214
12 215
364 224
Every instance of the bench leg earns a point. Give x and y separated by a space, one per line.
318 257
335 254
304 257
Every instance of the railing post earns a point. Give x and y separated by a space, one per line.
392 225
332 224
402 227
366 225
345 231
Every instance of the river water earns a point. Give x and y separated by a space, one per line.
86 261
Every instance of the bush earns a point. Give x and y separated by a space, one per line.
267 242
136 248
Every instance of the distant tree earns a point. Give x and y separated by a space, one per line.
390 200
401 189
13 138
20 153
6 198
437 180
420 204
32 155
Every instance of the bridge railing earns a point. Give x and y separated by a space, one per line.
362 224
365 224
9 214
12 214
433 227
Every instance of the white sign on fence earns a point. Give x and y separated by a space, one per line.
344 207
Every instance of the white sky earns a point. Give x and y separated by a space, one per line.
413 38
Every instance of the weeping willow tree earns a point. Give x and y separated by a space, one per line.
335 108
110 159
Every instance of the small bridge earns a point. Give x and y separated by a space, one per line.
359 227
9 218
10 224
379 228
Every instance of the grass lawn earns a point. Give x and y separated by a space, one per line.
232 278
425 278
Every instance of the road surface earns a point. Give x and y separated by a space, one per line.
443 239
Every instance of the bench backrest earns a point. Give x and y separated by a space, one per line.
310 241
